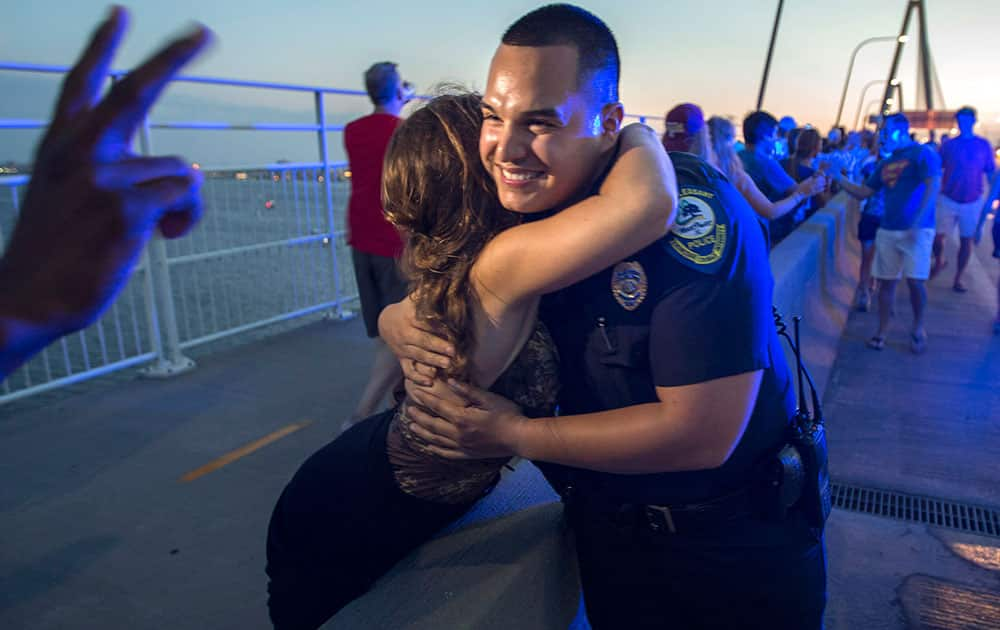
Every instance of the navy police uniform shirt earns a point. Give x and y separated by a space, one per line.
692 307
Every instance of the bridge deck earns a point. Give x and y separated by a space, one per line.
99 530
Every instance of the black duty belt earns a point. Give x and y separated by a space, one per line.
677 518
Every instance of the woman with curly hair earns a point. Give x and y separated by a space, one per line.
476 272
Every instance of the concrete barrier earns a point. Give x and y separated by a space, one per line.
815 272
509 563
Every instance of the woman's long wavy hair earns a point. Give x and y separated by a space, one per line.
723 135
437 193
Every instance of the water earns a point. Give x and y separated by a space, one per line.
234 269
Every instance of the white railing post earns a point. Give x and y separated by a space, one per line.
339 311
169 360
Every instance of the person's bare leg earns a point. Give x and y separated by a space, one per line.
918 301
940 262
886 298
964 253
865 280
384 377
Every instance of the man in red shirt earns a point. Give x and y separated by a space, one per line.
968 163
375 243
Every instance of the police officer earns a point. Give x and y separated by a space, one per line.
676 399
671 530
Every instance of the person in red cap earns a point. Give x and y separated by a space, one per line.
686 131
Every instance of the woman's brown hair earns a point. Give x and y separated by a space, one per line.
806 147
437 193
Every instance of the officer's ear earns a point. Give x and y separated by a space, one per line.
612 115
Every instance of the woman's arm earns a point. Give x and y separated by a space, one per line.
776 209
634 206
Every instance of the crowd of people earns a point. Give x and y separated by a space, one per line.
574 295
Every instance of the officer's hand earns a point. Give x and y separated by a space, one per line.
92 204
419 350
479 425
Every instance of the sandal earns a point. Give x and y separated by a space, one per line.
877 342
918 343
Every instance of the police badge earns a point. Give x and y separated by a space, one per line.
628 284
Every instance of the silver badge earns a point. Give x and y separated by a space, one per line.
628 285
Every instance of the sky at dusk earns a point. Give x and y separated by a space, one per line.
710 52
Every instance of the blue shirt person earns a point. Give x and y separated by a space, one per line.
903 177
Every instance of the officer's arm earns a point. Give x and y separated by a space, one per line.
692 427
634 206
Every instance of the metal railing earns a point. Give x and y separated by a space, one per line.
271 247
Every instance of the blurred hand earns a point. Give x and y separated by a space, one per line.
813 185
92 204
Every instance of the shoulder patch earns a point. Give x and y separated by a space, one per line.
701 234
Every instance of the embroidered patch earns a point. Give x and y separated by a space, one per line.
701 232
629 285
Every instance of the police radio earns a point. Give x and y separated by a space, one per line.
801 465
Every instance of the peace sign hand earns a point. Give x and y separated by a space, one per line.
92 204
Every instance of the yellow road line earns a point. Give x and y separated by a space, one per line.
243 451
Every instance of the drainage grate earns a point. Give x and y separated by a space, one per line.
964 517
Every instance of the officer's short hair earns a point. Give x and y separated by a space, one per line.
757 125
381 82
568 25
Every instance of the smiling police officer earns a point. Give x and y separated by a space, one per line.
675 399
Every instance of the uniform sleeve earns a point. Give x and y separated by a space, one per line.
709 329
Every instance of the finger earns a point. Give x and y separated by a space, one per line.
433 431
118 116
83 83
442 391
150 201
132 171
470 393
421 355
178 222
447 453
439 407
426 370
412 375
432 342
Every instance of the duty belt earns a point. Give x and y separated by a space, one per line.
677 518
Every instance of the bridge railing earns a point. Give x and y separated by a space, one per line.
270 248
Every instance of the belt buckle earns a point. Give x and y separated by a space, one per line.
664 514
